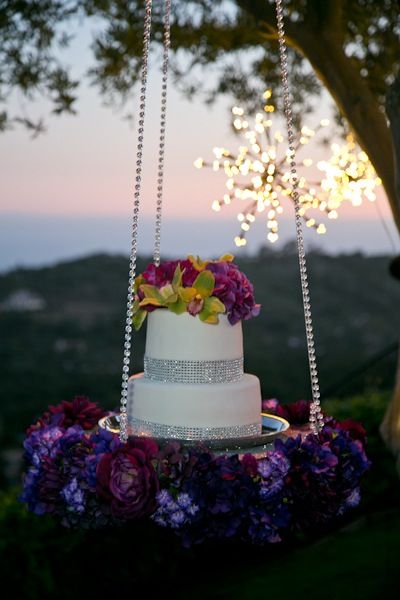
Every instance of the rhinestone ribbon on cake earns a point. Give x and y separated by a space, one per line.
185 432
193 371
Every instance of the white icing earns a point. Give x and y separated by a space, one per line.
183 337
186 338
202 405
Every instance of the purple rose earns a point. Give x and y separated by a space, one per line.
127 481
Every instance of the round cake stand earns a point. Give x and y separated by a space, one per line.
272 427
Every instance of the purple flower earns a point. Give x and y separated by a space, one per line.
234 290
66 414
174 513
273 470
223 490
325 469
297 413
91 480
74 496
353 499
126 479
42 442
164 273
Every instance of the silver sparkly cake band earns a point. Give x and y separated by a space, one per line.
180 432
193 371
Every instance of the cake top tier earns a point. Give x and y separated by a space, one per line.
200 288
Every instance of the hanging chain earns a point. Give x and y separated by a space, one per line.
161 151
316 416
136 207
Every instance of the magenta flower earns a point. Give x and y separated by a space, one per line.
235 291
127 481
353 428
297 413
81 411
164 273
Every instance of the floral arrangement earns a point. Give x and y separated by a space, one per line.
203 288
87 478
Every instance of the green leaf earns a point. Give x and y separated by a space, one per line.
167 291
214 305
178 307
177 278
135 306
171 299
139 318
151 302
204 283
150 291
138 282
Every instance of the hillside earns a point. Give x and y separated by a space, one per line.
72 344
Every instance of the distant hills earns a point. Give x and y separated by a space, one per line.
70 342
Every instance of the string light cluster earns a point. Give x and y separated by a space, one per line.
259 176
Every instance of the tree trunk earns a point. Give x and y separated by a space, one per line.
390 427
357 103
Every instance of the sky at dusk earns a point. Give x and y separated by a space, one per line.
82 170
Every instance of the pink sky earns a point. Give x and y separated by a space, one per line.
84 165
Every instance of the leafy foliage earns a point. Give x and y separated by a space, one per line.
235 40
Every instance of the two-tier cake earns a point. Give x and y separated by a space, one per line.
193 386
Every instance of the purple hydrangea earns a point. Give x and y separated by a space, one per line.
273 470
74 496
174 513
235 291
325 469
41 443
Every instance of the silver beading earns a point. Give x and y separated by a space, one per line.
183 432
161 150
316 416
136 207
193 371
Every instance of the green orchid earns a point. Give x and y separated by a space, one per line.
199 299
196 300
166 296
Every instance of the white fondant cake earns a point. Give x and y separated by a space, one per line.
193 386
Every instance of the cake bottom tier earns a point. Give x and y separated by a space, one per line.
194 412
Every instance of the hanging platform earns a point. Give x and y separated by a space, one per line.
273 427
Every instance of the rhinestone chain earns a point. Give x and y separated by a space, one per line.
316 416
161 151
136 206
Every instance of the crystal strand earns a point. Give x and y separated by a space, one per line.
316 416
161 151
136 206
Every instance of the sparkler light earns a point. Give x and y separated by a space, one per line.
259 177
